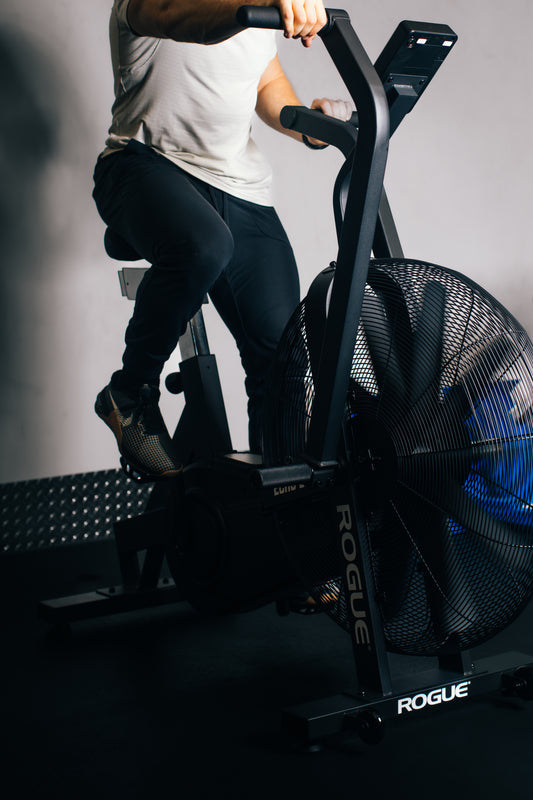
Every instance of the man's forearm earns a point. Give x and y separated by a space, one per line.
202 21
212 21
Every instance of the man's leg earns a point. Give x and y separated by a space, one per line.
169 220
161 212
255 296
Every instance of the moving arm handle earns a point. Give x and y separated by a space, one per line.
315 124
299 118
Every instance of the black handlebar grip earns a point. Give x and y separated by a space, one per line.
260 17
269 17
313 123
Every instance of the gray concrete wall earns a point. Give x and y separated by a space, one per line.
459 181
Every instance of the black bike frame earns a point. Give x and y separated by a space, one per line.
364 226
357 235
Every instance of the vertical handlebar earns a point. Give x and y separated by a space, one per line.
357 234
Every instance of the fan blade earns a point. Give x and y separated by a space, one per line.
428 347
425 471
391 295
395 559
386 363
503 540
421 434
360 398
525 411
476 486
482 366
502 474
453 607
423 428
471 515
439 423
499 557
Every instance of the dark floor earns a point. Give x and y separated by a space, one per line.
138 704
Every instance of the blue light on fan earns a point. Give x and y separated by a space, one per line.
503 482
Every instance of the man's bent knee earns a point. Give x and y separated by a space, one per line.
204 254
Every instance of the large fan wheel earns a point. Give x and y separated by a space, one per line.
439 433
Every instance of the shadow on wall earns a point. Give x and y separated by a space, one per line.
28 141
41 135
27 134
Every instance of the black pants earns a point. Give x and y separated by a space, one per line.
199 241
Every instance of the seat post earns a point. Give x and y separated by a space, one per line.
194 341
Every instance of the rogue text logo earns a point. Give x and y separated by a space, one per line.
433 698
353 577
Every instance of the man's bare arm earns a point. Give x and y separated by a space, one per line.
275 91
211 21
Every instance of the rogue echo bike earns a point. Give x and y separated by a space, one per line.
395 491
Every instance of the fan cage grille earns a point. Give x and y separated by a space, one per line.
441 392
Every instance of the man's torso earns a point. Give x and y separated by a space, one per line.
193 103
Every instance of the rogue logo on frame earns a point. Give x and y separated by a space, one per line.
444 695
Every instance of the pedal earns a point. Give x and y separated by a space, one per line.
297 604
136 475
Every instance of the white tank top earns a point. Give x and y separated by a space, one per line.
193 103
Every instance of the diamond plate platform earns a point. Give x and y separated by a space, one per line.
66 510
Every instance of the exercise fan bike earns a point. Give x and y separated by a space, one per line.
396 484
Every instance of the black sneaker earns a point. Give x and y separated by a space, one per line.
140 431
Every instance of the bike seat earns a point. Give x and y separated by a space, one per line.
118 248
